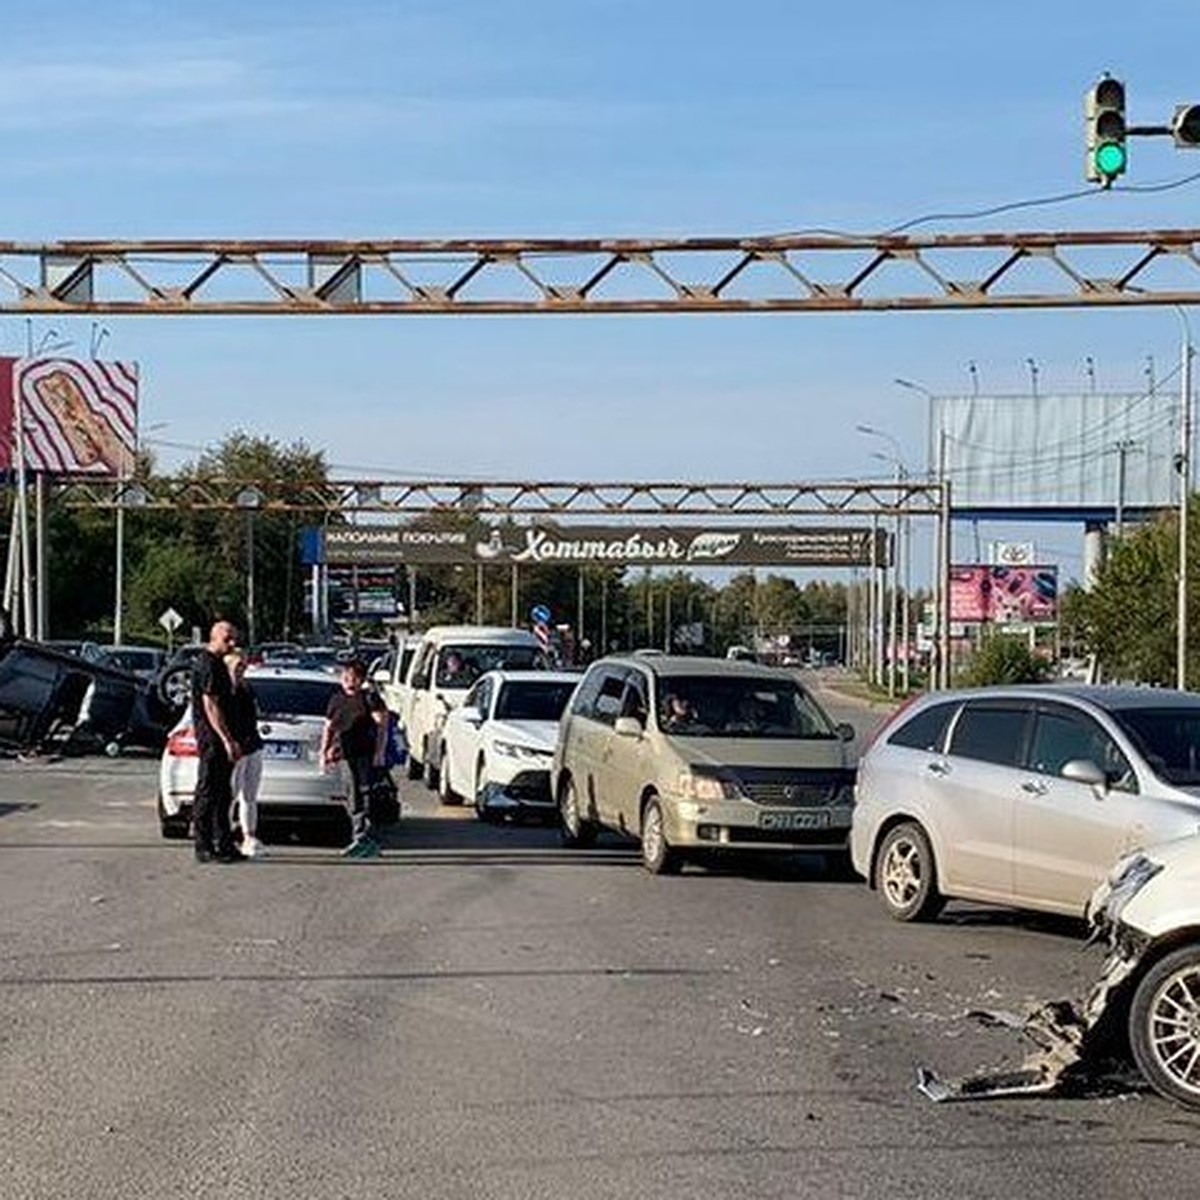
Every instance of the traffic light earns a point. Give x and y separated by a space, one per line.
1107 156
1185 127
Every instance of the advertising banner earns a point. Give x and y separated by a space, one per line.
610 545
362 592
78 417
1004 595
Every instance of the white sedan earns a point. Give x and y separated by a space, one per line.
295 787
497 747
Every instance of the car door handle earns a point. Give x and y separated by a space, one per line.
937 768
1034 787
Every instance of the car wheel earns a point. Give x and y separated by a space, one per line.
429 773
658 857
481 810
175 826
906 874
574 828
175 688
1164 1026
446 794
412 766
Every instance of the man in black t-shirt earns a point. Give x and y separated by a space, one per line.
211 689
356 735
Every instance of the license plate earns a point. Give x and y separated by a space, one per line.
285 750
794 819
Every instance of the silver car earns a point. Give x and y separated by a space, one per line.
1022 796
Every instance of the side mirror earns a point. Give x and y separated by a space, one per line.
629 727
472 716
846 731
1083 770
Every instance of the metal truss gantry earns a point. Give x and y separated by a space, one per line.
511 498
801 273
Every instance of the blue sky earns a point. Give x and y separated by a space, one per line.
584 117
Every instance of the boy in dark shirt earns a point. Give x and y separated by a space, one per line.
356 735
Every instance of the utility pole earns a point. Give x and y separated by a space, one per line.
1123 449
1185 488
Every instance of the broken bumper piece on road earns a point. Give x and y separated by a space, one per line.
1077 1052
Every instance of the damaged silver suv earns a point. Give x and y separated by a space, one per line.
1149 908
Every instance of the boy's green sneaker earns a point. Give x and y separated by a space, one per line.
362 847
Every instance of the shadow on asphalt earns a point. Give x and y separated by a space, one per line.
1000 918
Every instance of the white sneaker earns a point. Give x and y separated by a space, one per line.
253 848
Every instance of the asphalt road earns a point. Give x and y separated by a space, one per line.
480 1013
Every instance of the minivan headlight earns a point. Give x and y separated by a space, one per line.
692 786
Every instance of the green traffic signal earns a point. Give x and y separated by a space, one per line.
1111 159
1107 156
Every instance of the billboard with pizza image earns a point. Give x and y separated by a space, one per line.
79 417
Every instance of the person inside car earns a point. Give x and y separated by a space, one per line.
455 671
678 714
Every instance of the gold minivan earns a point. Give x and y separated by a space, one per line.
700 755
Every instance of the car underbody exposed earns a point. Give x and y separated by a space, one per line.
51 700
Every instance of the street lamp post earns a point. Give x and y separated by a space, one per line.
1187 353
248 500
131 496
900 548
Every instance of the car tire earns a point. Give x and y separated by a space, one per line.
446 794
174 688
482 812
658 856
906 874
175 826
1167 994
574 829
429 773
412 767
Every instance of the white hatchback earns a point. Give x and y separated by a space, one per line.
295 785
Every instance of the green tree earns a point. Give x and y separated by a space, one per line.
284 474
1005 658
1129 616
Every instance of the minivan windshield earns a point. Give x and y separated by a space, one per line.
738 706
1167 738
459 666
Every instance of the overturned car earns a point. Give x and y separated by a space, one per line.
51 699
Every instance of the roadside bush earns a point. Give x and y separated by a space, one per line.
1006 659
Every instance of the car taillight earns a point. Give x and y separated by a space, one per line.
183 744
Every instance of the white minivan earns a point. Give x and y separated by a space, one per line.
394 689
448 661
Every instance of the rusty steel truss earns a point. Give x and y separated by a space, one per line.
549 275
509 498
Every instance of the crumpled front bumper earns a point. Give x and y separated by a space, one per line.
526 793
